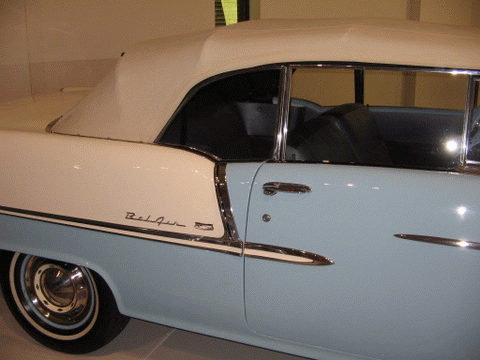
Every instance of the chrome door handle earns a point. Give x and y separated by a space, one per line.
271 188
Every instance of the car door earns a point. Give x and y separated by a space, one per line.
392 290
385 296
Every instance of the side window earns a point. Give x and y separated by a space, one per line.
408 119
233 118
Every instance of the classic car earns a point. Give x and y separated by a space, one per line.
304 186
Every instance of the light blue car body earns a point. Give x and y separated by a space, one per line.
264 231
385 297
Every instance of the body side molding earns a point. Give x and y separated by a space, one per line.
277 253
440 241
230 243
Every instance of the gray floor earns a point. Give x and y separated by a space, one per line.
139 340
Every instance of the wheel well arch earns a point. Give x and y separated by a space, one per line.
69 258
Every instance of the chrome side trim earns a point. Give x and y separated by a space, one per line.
222 244
292 256
440 241
252 250
231 234
229 243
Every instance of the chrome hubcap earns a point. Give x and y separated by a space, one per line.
55 289
59 299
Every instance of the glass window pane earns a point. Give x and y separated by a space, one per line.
409 119
233 118
326 87
441 91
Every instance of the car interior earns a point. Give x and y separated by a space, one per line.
235 118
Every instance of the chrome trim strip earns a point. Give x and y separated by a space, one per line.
281 254
196 151
374 66
440 241
221 244
472 162
231 234
467 118
282 115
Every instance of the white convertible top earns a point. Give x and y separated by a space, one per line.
149 82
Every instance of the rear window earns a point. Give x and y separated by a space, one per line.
233 118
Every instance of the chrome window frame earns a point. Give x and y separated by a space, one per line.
286 71
473 77
473 85
283 112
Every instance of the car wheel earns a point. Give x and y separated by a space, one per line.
63 306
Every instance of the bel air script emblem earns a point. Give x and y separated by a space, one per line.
154 220
161 221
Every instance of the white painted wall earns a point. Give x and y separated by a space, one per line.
299 9
46 45
49 44
457 12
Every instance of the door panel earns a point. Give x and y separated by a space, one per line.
384 297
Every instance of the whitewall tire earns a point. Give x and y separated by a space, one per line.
63 306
